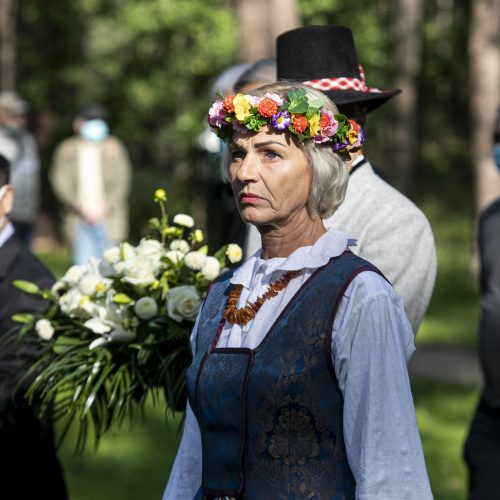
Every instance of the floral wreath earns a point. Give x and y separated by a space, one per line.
301 116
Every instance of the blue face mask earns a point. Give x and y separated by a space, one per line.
496 153
94 130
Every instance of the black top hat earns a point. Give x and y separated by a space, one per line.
324 57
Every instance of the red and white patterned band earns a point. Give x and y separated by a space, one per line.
343 83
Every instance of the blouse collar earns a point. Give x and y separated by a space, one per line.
331 244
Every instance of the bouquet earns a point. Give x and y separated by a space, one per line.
117 329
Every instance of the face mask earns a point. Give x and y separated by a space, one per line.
94 130
497 155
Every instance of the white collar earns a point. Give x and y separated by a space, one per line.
6 233
331 244
358 160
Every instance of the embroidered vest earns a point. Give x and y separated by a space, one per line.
271 417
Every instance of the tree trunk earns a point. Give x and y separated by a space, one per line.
408 48
7 45
254 25
285 16
260 22
484 62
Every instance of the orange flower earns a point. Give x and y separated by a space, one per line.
267 108
299 123
227 103
354 125
324 121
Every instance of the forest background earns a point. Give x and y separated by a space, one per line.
152 63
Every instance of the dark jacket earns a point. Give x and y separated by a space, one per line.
27 455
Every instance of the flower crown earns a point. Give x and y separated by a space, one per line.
301 116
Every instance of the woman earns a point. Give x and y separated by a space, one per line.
298 386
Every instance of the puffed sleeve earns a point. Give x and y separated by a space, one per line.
371 344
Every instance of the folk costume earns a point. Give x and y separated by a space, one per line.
310 398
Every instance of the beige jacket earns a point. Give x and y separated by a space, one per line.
117 172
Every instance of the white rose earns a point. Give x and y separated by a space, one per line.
146 308
70 301
44 329
234 253
150 248
211 269
180 245
183 302
111 255
73 274
175 256
184 220
127 251
195 260
140 271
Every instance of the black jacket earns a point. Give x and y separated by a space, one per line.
28 462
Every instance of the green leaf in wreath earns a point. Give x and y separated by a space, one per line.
26 286
23 318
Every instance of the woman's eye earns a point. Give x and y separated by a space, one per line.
237 155
272 155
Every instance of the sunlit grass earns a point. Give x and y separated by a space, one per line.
453 314
444 413
133 463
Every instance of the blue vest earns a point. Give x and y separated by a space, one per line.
271 417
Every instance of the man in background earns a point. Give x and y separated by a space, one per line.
90 175
28 462
20 149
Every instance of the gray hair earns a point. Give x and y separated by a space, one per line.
329 170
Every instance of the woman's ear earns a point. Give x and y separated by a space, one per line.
6 199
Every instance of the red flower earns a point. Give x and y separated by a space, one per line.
267 108
299 123
227 103
354 125
324 120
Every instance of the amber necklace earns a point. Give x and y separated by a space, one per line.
243 315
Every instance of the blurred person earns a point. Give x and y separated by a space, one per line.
262 72
299 385
90 175
391 232
482 447
20 148
28 461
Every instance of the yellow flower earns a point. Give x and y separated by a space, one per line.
241 106
314 125
160 195
352 136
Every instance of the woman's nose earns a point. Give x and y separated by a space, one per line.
248 169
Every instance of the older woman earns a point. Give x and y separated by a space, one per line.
299 386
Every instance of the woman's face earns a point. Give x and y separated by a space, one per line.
270 177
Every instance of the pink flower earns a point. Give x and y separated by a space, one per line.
329 125
217 115
276 98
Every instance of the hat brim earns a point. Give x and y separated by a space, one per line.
371 100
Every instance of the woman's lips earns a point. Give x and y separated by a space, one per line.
249 198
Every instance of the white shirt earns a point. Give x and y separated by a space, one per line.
372 341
